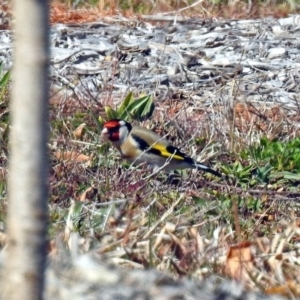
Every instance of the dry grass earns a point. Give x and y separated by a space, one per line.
65 12
90 11
189 229
199 227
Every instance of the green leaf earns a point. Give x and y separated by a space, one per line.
226 169
101 120
199 201
123 109
286 175
111 113
141 108
2 189
138 109
4 80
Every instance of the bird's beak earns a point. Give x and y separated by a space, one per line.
104 133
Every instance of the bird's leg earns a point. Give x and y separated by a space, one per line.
174 178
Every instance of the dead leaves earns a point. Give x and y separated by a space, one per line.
61 13
259 263
267 120
73 157
78 132
288 290
88 194
239 261
272 265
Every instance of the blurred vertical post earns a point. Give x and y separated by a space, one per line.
25 256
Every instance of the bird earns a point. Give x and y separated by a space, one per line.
140 145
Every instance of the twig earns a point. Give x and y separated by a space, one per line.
164 217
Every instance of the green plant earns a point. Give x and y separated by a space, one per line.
131 109
241 173
263 173
280 155
3 81
4 108
2 190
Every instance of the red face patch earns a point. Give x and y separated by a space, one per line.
112 124
113 127
114 136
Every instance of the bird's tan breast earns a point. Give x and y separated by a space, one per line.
129 150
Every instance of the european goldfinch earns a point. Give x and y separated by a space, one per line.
140 145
